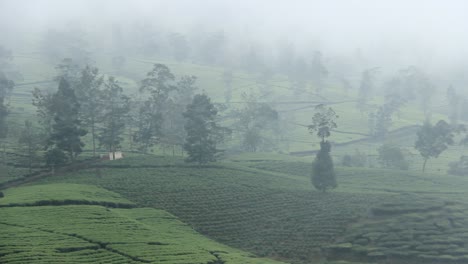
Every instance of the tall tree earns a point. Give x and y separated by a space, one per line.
413 84
254 121
174 133
43 102
158 85
30 140
433 140
6 86
66 130
88 92
323 173
115 108
366 87
202 130
318 71
380 121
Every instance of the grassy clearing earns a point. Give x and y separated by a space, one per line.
88 233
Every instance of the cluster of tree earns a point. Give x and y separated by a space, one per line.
89 103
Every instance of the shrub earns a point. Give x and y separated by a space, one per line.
323 173
391 156
358 159
2 195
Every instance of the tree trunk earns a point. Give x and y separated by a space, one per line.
424 166
30 157
4 153
94 138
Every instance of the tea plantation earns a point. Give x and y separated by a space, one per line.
268 208
98 234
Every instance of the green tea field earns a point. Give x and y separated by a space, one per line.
267 207
44 231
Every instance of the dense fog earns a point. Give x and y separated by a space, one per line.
387 34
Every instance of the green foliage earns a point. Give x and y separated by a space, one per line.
66 130
358 159
433 140
202 130
323 172
318 72
127 236
57 192
31 141
115 107
426 230
173 130
254 121
323 121
245 208
89 95
366 86
6 86
391 156
43 102
55 157
159 84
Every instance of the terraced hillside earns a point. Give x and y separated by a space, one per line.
408 230
269 214
13 167
270 209
96 234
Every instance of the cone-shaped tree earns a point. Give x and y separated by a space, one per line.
66 130
202 130
323 173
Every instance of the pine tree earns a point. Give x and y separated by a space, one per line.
66 130
323 173
88 92
157 86
114 113
202 130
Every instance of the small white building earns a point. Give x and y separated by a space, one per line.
112 156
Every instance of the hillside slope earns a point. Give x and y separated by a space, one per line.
40 231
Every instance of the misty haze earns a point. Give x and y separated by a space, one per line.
234 132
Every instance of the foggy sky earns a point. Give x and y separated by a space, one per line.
424 32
